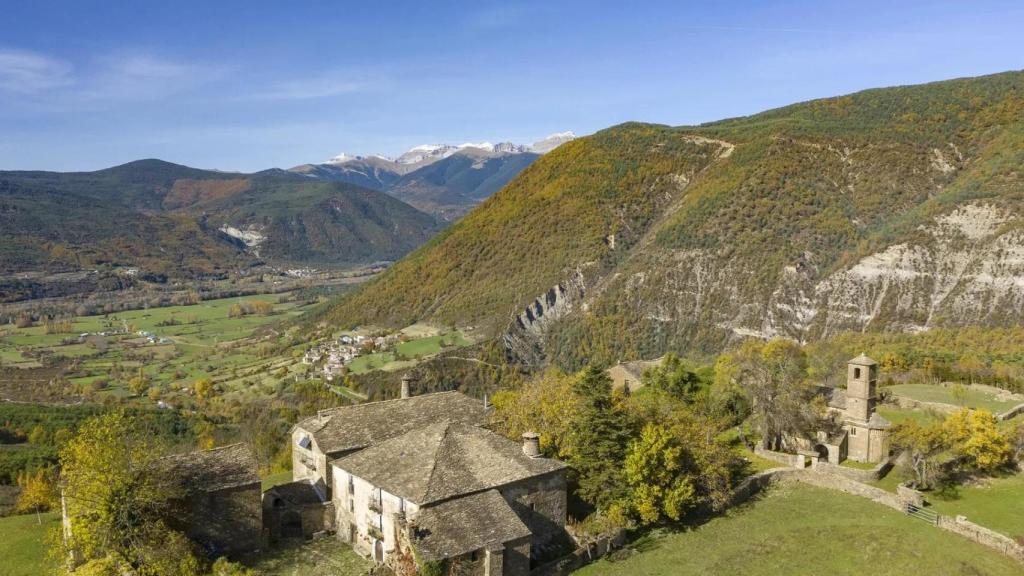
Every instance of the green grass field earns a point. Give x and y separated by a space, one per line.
974 398
796 530
23 541
997 503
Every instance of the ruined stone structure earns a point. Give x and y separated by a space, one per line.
420 477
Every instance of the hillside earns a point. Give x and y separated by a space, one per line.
893 209
182 222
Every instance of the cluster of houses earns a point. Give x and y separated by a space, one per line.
336 354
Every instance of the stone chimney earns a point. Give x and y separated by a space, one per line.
406 380
531 444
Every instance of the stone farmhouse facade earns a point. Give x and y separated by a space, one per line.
420 477
864 436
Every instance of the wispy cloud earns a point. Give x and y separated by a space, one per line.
29 72
140 76
324 86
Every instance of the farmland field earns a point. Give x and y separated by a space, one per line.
796 529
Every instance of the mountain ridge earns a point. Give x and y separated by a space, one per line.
642 239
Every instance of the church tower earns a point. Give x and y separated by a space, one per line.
861 380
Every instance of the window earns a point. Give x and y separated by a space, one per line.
352 505
856 372
853 431
473 556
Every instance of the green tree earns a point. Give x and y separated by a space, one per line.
674 376
658 485
599 438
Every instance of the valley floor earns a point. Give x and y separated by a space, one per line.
797 529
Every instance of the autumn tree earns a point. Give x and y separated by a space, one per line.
545 404
37 494
117 494
977 440
924 444
774 377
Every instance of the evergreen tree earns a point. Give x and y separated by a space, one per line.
600 436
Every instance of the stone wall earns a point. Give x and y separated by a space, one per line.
982 535
540 502
780 457
857 474
1011 413
228 521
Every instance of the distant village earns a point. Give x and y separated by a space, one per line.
338 353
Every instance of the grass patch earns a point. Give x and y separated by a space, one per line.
997 503
798 529
23 544
932 393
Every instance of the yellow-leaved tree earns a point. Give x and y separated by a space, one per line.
37 494
117 495
976 438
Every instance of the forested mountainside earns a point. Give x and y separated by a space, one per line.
178 221
895 209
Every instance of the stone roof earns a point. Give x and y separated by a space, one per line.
298 493
475 522
444 460
835 397
361 425
217 469
863 360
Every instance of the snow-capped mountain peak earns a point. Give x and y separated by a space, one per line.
428 153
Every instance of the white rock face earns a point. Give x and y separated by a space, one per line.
964 271
252 236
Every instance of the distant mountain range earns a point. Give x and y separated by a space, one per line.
442 179
172 220
896 209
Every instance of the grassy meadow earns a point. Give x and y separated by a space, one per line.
973 397
23 544
796 529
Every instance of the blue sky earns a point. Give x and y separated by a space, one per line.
251 85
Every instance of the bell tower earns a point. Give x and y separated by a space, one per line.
861 380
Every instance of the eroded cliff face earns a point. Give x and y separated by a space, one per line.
524 338
967 268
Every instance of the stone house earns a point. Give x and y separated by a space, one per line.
420 477
628 376
864 433
221 509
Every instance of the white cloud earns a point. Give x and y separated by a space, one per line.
326 86
28 72
145 77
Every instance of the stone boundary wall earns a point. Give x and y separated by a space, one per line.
1011 413
981 535
911 404
872 475
783 458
